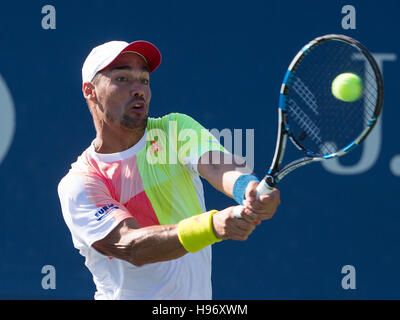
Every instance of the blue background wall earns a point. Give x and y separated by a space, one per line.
223 62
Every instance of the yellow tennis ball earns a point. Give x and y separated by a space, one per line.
347 87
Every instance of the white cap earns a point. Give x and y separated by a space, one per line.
102 56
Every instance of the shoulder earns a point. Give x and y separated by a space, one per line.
180 121
175 116
82 177
71 186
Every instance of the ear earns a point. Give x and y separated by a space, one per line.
89 91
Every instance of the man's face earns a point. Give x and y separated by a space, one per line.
123 92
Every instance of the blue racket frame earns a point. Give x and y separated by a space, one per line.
275 174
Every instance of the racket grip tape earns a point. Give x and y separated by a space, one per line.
237 211
263 188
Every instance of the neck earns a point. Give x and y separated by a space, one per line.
113 141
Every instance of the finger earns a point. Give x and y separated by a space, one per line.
266 203
245 226
239 235
274 196
240 229
250 216
251 191
256 217
258 207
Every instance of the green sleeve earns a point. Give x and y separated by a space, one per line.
193 140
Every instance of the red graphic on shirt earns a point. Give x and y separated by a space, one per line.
142 210
155 147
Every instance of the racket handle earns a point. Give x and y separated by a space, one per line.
237 212
263 188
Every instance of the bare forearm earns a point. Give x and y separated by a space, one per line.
155 244
140 246
223 173
224 181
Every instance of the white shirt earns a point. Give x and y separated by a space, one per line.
101 190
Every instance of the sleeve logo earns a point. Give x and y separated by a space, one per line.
105 211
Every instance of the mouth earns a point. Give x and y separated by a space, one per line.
138 107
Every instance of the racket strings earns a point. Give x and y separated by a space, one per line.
371 95
318 121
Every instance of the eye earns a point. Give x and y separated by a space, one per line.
122 79
145 81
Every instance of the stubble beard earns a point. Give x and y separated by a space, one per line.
128 122
134 124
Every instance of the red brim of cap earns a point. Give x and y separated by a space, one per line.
146 49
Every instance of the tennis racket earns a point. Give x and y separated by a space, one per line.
319 125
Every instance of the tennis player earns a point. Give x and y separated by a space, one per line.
133 201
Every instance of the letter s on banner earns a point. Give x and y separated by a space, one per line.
7 119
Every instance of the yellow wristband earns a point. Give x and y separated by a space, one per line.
196 233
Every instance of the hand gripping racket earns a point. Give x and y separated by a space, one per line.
321 126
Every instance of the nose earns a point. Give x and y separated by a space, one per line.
138 90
